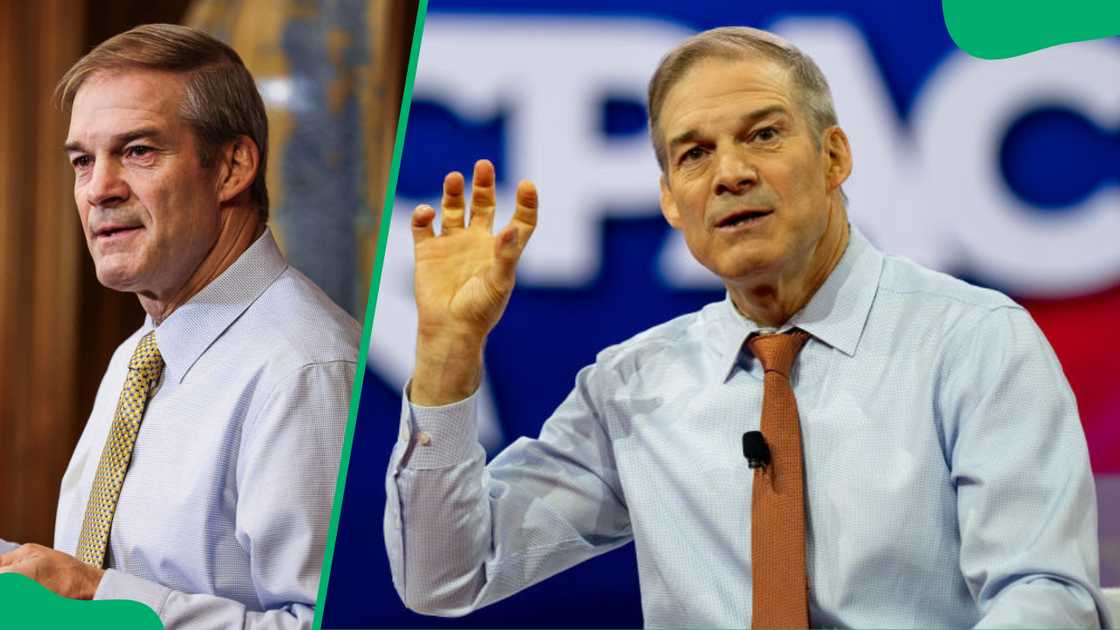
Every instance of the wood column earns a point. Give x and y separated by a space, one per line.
40 246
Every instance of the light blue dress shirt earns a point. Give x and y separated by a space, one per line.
222 520
947 477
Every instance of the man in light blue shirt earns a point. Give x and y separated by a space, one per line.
222 517
946 476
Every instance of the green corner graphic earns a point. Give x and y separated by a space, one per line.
998 29
26 604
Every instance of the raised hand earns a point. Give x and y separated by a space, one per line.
464 278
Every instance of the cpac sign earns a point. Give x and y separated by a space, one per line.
930 190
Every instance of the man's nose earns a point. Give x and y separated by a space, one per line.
735 172
106 187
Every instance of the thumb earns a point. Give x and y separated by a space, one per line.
503 272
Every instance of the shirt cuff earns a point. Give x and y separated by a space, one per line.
438 437
119 585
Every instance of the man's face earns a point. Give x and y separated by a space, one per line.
744 180
149 209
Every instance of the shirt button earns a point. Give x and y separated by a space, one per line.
424 438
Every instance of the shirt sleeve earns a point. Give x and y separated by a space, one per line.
184 610
286 474
1026 504
6 546
461 534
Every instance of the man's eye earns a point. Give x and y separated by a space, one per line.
766 134
695 153
138 151
81 161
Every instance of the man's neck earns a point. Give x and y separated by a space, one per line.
240 228
771 302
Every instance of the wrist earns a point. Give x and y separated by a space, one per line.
446 372
92 581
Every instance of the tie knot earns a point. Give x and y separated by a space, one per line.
146 356
776 352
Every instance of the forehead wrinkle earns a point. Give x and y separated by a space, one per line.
124 137
117 124
744 120
135 94
126 132
764 79
764 112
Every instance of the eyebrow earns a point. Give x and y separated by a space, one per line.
746 120
119 140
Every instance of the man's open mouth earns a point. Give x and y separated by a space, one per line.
742 217
115 230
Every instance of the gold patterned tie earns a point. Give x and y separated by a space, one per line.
144 370
780 583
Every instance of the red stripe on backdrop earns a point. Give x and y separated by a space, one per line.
1085 333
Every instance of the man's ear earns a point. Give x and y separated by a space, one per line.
838 155
668 204
237 167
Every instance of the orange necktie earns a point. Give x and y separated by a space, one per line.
781 584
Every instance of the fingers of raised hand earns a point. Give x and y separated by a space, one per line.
525 212
512 239
422 219
453 206
482 196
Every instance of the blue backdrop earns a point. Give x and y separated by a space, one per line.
1024 153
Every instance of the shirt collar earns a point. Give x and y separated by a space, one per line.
194 326
836 314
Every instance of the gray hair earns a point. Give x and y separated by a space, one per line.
735 42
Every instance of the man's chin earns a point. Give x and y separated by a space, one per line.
738 267
117 278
